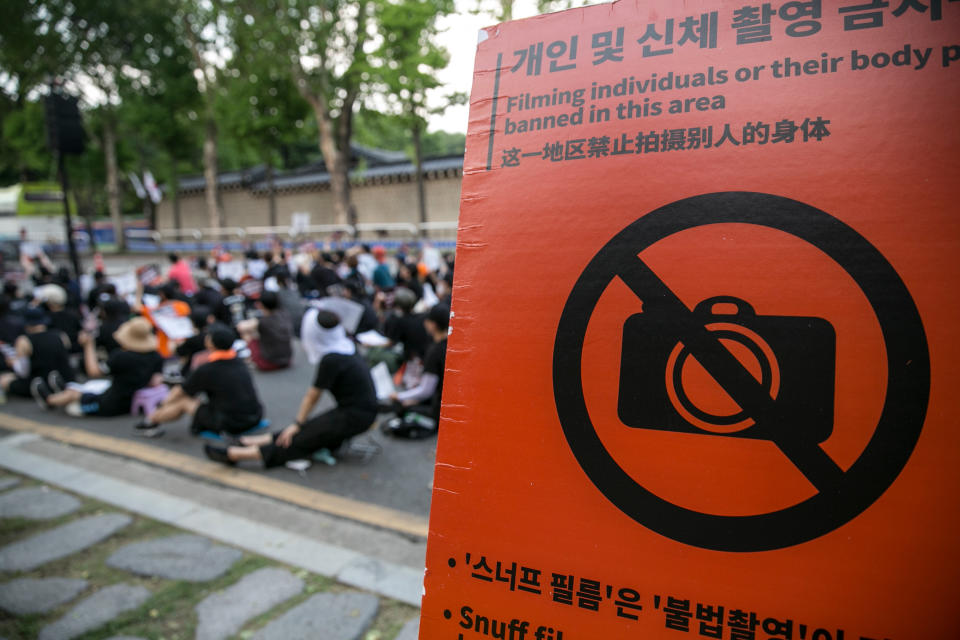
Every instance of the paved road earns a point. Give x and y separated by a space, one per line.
399 477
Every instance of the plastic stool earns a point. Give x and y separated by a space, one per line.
146 400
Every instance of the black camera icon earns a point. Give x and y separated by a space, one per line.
792 357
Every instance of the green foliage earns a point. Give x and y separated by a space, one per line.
409 56
443 143
360 69
381 131
502 10
23 147
384 131
30 47
261 111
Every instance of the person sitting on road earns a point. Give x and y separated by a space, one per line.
382 278
53 298
100 285
290 302
233 307
341 371
18 302
269 336
201 317
406 327
134 366
232 404
113 312
40 355
180 273
11 323
418 408
170 306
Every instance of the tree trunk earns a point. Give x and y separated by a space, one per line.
337 163
271 195
113 180
175 198
152 214
212 192
421 192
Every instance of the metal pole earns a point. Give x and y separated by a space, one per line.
68 221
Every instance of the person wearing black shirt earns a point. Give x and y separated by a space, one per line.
209 295
419 407
407 328
99 288
39 352
11 324
62 317
233 306
18 303
201 317
70 286
342 372
114 311
232 406
132 367
323 275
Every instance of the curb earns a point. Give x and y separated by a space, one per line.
363 512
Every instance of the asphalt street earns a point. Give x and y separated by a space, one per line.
399 476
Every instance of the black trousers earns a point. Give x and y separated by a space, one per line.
326 431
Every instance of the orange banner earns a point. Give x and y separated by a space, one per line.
702 367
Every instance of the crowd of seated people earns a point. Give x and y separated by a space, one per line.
191 343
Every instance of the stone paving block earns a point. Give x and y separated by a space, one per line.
62 541
410 631
222 614
96 611
182 557
331 616
33 595
371 574
37 503
8 482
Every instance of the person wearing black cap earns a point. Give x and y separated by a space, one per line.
418 408
339 370
42 354
232 407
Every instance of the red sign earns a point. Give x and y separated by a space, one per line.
701 379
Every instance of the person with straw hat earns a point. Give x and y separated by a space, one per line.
135 365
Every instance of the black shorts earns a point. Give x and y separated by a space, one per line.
104 404
206 418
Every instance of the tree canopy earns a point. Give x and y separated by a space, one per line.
183 86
